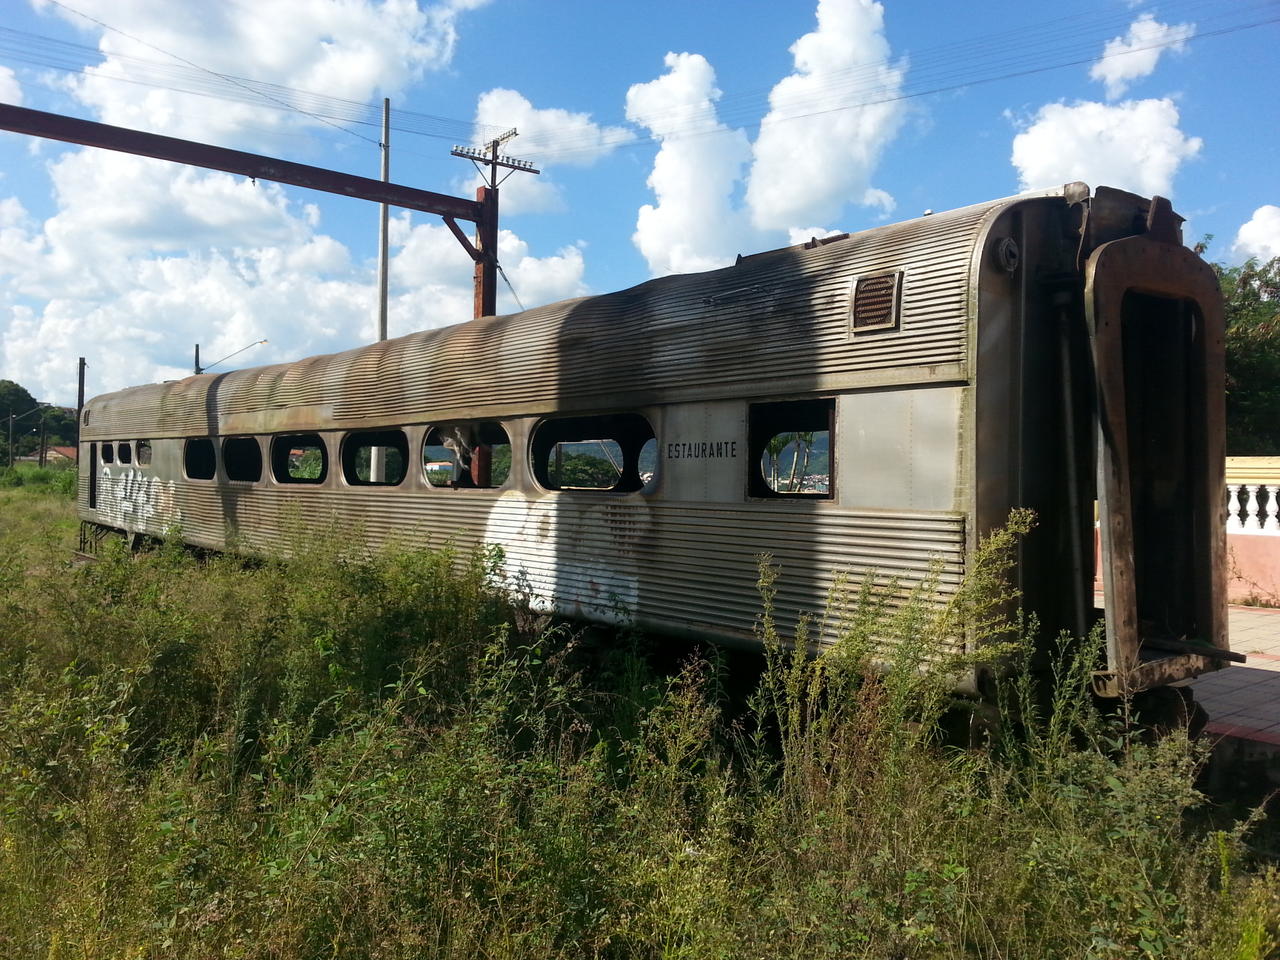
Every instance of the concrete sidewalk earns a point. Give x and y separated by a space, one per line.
1243 701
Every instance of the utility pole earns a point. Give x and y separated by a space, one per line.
15 417
384 221
378 455
79 405
485 250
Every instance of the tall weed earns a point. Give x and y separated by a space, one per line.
383 756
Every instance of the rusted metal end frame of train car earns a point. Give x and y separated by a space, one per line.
1044 351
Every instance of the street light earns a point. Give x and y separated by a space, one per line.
14 417
205 369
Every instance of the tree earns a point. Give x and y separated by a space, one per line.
585 470
14 401
60 426
309 466
804 443
773 450
500 466
1251 292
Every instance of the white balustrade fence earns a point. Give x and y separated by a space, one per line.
1245 515
1253 495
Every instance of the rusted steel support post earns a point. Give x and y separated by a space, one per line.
486 269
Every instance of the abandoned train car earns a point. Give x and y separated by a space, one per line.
1050 351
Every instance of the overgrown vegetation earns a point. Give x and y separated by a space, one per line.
57 481
1251 293
387 757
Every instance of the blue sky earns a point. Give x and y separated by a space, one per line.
671 137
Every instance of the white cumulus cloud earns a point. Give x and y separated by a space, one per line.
550 134
694 225
797 235
548 137
718 194
815 153
354 49
10 89
1134 56
431 279
1135 145
1260 236
137 318
143 259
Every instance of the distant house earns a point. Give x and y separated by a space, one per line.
54 456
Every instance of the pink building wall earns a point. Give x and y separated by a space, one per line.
1253 531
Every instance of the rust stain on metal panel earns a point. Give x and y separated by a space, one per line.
648 339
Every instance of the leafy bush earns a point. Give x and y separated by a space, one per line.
1251 293
385 757
60 481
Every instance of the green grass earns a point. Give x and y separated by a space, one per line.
385 757
56 481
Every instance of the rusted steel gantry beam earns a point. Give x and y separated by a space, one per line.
483 212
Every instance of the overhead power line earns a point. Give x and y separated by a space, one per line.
19 46
1074 39
235 81
988 59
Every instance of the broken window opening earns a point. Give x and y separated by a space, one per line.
199 460
359 453
123 453
648 462
242 459
791 452
474 455
595 453
108 453
144 453
299 458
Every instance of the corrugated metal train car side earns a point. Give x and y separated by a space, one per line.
928 354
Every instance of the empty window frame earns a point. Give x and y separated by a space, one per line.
242 459
377 458
144 453
108 453
472 455
616 452
199 461
299 458
791 449
124 452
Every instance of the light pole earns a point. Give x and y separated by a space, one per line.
205 369
14 417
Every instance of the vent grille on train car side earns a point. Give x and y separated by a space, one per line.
875 302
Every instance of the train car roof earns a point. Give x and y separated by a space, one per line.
705 334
